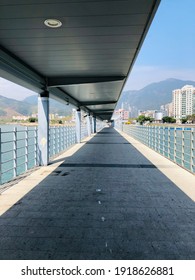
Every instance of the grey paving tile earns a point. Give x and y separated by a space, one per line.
137 214
26 255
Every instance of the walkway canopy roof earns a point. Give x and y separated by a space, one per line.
86 60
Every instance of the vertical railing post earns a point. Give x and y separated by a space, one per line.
175 144
72 134
60 139
68 135
158 139
15 152
56 140
168 142
182 144
163 151
50 141
63 137
0 159
192 152
65 128
52 128
154 137
26 148
36 146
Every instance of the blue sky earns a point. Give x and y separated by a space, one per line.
168 50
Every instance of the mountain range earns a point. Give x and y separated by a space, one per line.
150 97
10 107
55 107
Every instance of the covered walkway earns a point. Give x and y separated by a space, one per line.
105 201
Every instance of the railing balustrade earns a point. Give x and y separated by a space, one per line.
19 147
175 143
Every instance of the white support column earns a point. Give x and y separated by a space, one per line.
43 128
91 124
78 126
88 125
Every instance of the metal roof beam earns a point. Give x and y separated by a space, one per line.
102 110
63 81
62 96
103 113
91 103
16 70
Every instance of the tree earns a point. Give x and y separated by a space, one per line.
184 120
32 120
142 119
168 119
191 118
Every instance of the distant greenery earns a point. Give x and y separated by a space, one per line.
191 118
184 120
142 119
32 120
168 119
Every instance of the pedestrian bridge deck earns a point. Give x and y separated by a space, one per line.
108 198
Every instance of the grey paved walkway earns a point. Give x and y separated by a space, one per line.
107 201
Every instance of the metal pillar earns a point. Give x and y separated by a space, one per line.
94 124
88 125
43 128
78 126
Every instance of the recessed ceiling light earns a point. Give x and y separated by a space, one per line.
53 23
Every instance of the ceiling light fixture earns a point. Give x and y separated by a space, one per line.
53 23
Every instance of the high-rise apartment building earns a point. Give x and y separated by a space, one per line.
183 102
